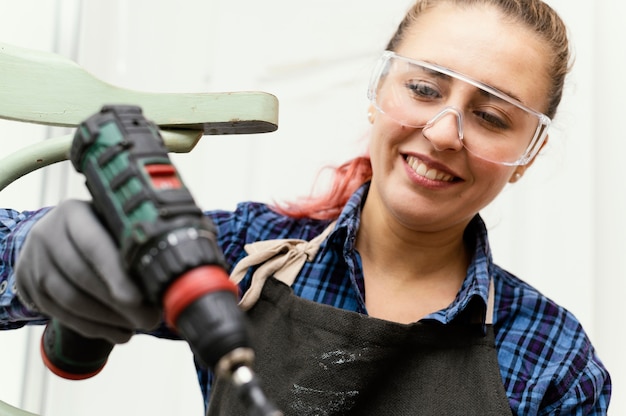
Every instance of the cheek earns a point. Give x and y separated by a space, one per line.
486 183
492 177
384 147
386 136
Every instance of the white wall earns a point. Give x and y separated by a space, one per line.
560 228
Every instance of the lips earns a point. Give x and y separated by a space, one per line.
422 169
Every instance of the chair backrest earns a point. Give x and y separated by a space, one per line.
45 88
8 410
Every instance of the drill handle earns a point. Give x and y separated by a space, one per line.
70 355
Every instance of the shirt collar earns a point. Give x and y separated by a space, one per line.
471 301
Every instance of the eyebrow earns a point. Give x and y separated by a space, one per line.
446 76
496 98
434 72
507 93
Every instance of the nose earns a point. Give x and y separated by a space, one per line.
445 130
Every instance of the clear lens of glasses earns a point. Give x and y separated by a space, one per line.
491 125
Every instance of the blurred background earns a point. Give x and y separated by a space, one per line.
561 228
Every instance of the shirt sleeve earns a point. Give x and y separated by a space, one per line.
14 227
547 361
589 394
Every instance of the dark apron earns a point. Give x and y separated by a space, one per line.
314 359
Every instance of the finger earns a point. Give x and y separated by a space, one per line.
97 249
65 295
95 301
102 257
87 328
145 317
65 262
71 316
47 248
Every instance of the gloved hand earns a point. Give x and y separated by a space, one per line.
70 268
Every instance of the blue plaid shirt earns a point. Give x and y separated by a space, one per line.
547 362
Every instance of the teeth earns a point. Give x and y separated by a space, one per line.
423 170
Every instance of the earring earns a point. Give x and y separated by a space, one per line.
370 116
517 176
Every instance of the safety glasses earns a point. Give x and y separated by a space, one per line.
490 124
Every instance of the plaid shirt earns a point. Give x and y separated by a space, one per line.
547 363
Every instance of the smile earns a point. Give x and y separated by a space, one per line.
423 170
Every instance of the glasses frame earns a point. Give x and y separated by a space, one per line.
539 136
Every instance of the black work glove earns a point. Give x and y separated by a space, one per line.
70 268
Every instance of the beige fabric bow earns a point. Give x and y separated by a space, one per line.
281 258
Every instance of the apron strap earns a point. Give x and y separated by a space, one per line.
284 258
281 258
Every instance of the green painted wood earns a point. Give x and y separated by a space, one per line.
47 152
46 88
8 410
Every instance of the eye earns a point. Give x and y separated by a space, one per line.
423 90
492 120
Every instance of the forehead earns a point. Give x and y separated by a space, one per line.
480 42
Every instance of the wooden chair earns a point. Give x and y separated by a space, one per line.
8 410
45 88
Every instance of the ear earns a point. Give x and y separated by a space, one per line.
517 174
519 171
371 114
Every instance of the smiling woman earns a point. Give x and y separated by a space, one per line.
381 296
445 140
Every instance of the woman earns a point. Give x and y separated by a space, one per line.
422 321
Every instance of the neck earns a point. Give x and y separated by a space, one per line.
421 271
388 243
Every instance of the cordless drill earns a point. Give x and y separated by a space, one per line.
167 245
